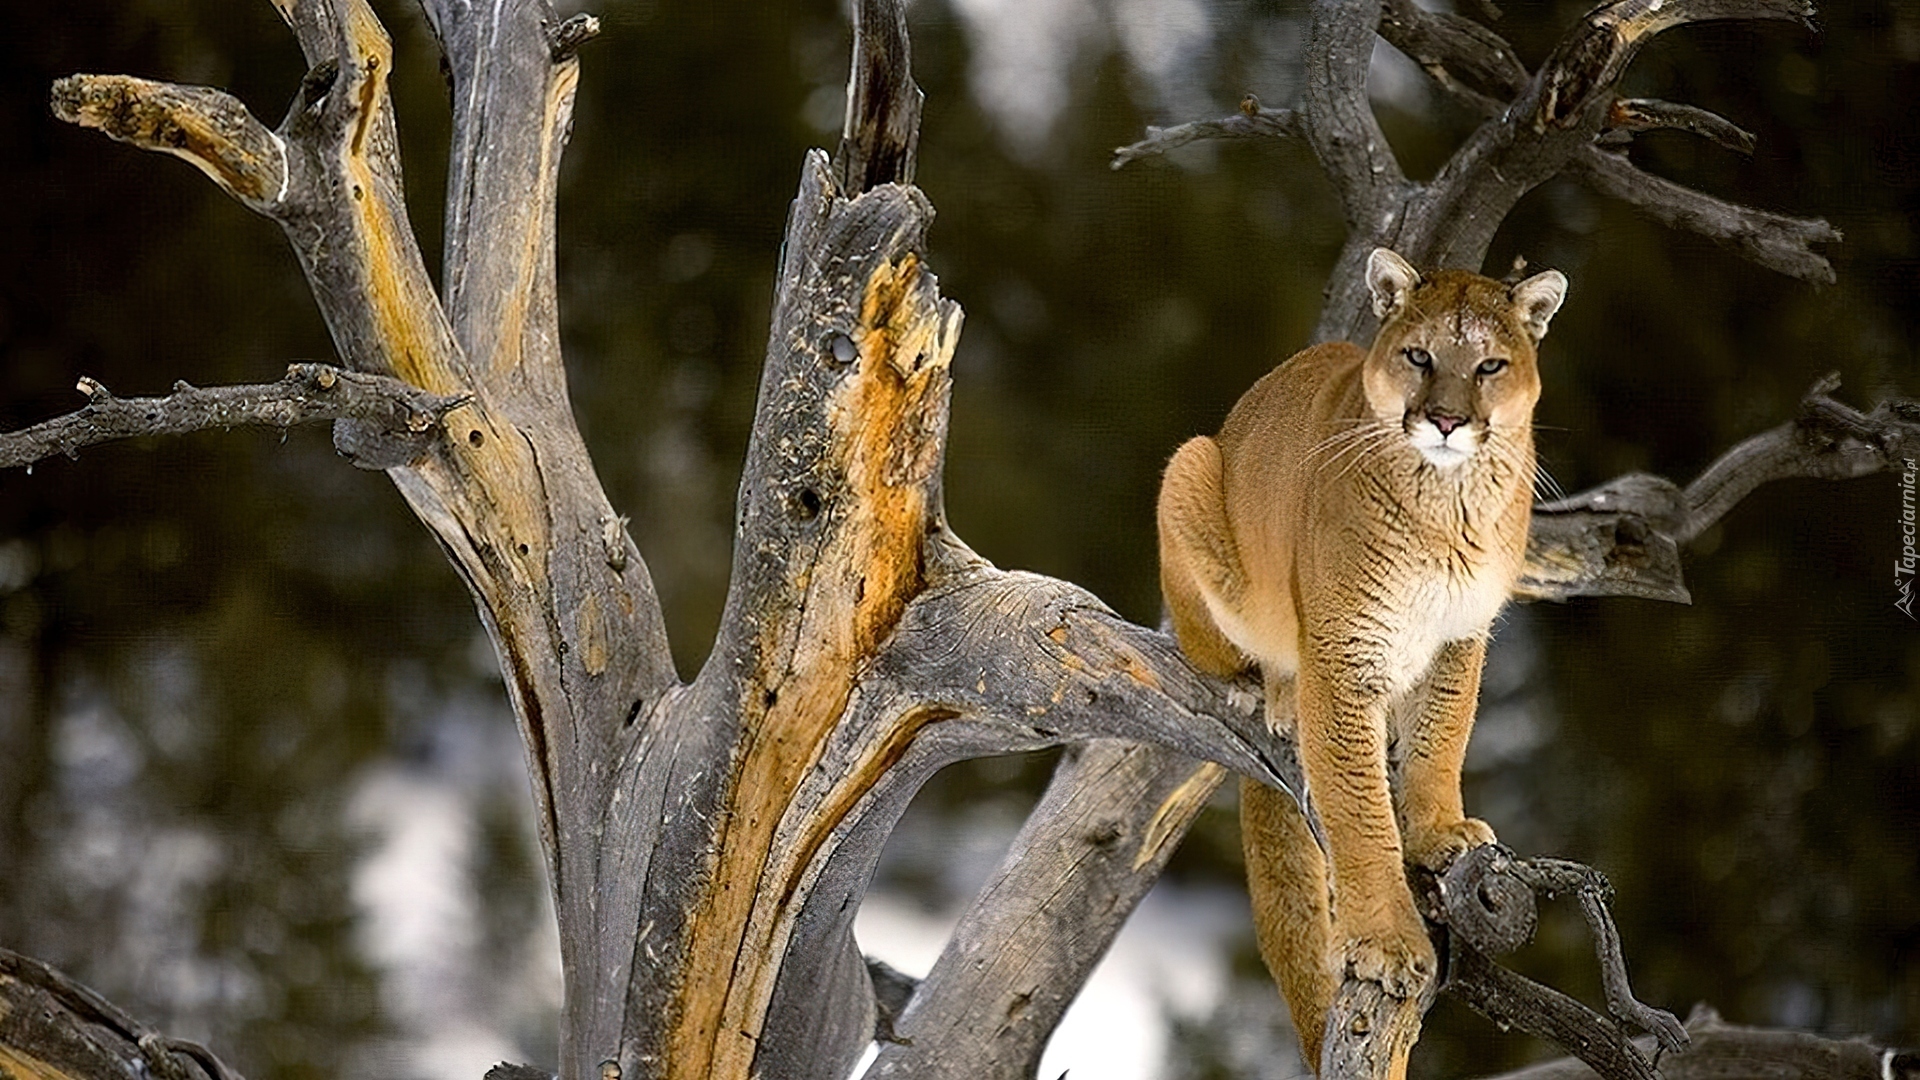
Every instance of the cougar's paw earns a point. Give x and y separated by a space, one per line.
1399 957
1437 845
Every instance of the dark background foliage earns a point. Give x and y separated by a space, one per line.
213 649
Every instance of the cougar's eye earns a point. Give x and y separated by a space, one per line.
1419 358
1492 366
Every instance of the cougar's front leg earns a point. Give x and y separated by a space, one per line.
1433 748
1343 749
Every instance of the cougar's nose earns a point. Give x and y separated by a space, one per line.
1445 422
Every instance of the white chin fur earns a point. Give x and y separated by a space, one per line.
1444 457
1444 451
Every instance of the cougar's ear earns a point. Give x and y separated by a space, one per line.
1390 279
1536 299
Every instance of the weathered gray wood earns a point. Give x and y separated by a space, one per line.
708 843
408 416
1345 136
1014 964
52 1028
882 133
1486 899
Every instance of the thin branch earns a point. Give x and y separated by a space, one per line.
1465 58
1729 1050
309 392
1592 890
1515 1001
1631 115
1486 899
1775 241
1253 121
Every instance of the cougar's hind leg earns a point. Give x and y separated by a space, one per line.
1197 555
1287 881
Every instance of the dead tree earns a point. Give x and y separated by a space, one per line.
708 842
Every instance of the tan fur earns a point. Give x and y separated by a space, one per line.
1335 536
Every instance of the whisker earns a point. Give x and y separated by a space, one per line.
1545 484
1508 453
1381 439
1354 430
1352 442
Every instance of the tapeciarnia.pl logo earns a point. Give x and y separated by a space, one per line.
1909 561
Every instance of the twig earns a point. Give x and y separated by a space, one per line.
1593 891
308 393
1253 121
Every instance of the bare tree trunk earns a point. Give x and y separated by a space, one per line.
708 842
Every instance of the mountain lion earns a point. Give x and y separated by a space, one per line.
1352 532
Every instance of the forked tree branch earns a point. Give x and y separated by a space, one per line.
1623 538
406 415
1477 66
1779 242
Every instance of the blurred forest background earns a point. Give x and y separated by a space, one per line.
258 781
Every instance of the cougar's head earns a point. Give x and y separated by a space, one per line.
1455 359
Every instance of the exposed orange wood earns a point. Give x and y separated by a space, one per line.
882 419
19 1065
207 127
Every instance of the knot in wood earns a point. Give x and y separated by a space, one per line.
1486 903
